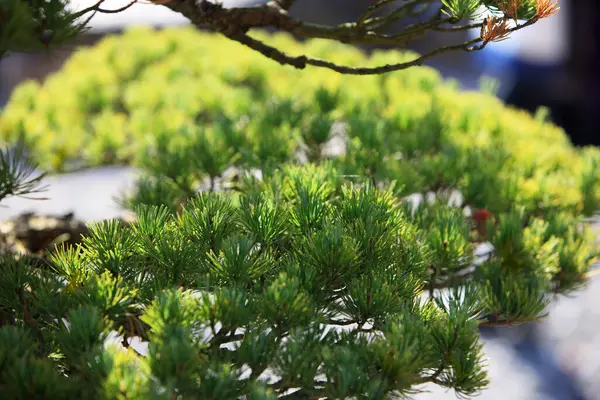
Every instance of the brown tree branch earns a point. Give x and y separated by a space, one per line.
302 61
116 10
235 23
96 8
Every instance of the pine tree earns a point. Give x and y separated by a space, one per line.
318 280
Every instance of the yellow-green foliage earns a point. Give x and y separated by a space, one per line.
113 102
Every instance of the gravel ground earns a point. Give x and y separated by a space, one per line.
557 358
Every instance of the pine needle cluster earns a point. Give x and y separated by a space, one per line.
34 25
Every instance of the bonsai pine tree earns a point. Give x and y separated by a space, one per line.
311 275
29 24
259 265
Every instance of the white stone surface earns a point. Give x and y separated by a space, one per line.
88 193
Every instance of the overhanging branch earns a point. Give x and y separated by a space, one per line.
235 23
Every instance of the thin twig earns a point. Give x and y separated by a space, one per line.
342 322
498 323
432 283
406 10
116 10
219 340
96 8
475 25
28 318
374 8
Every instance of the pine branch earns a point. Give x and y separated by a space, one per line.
301 394
409 9
235 23
17 174
381 4
28 318
220 339
301 62
488 324
342 323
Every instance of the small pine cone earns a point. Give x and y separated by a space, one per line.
46 36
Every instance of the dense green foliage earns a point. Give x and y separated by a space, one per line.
264 275
260 278
239 293
301 282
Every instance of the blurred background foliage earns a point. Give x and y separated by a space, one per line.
144 96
